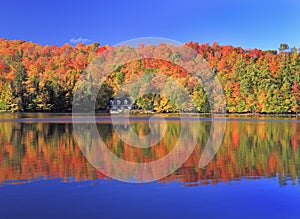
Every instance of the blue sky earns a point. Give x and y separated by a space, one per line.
248 23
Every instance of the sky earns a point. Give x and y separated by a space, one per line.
260 24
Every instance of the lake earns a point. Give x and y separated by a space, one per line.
45 173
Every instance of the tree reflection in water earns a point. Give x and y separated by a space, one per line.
250 150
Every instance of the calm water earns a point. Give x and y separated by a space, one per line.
44 174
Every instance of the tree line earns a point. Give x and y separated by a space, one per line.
44 78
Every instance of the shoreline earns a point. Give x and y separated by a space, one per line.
162 114
31 117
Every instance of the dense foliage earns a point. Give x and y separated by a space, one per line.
43 78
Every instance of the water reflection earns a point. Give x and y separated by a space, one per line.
29 151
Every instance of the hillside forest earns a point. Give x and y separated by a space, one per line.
36 78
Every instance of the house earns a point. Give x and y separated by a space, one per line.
119 104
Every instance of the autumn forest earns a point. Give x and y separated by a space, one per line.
36 78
